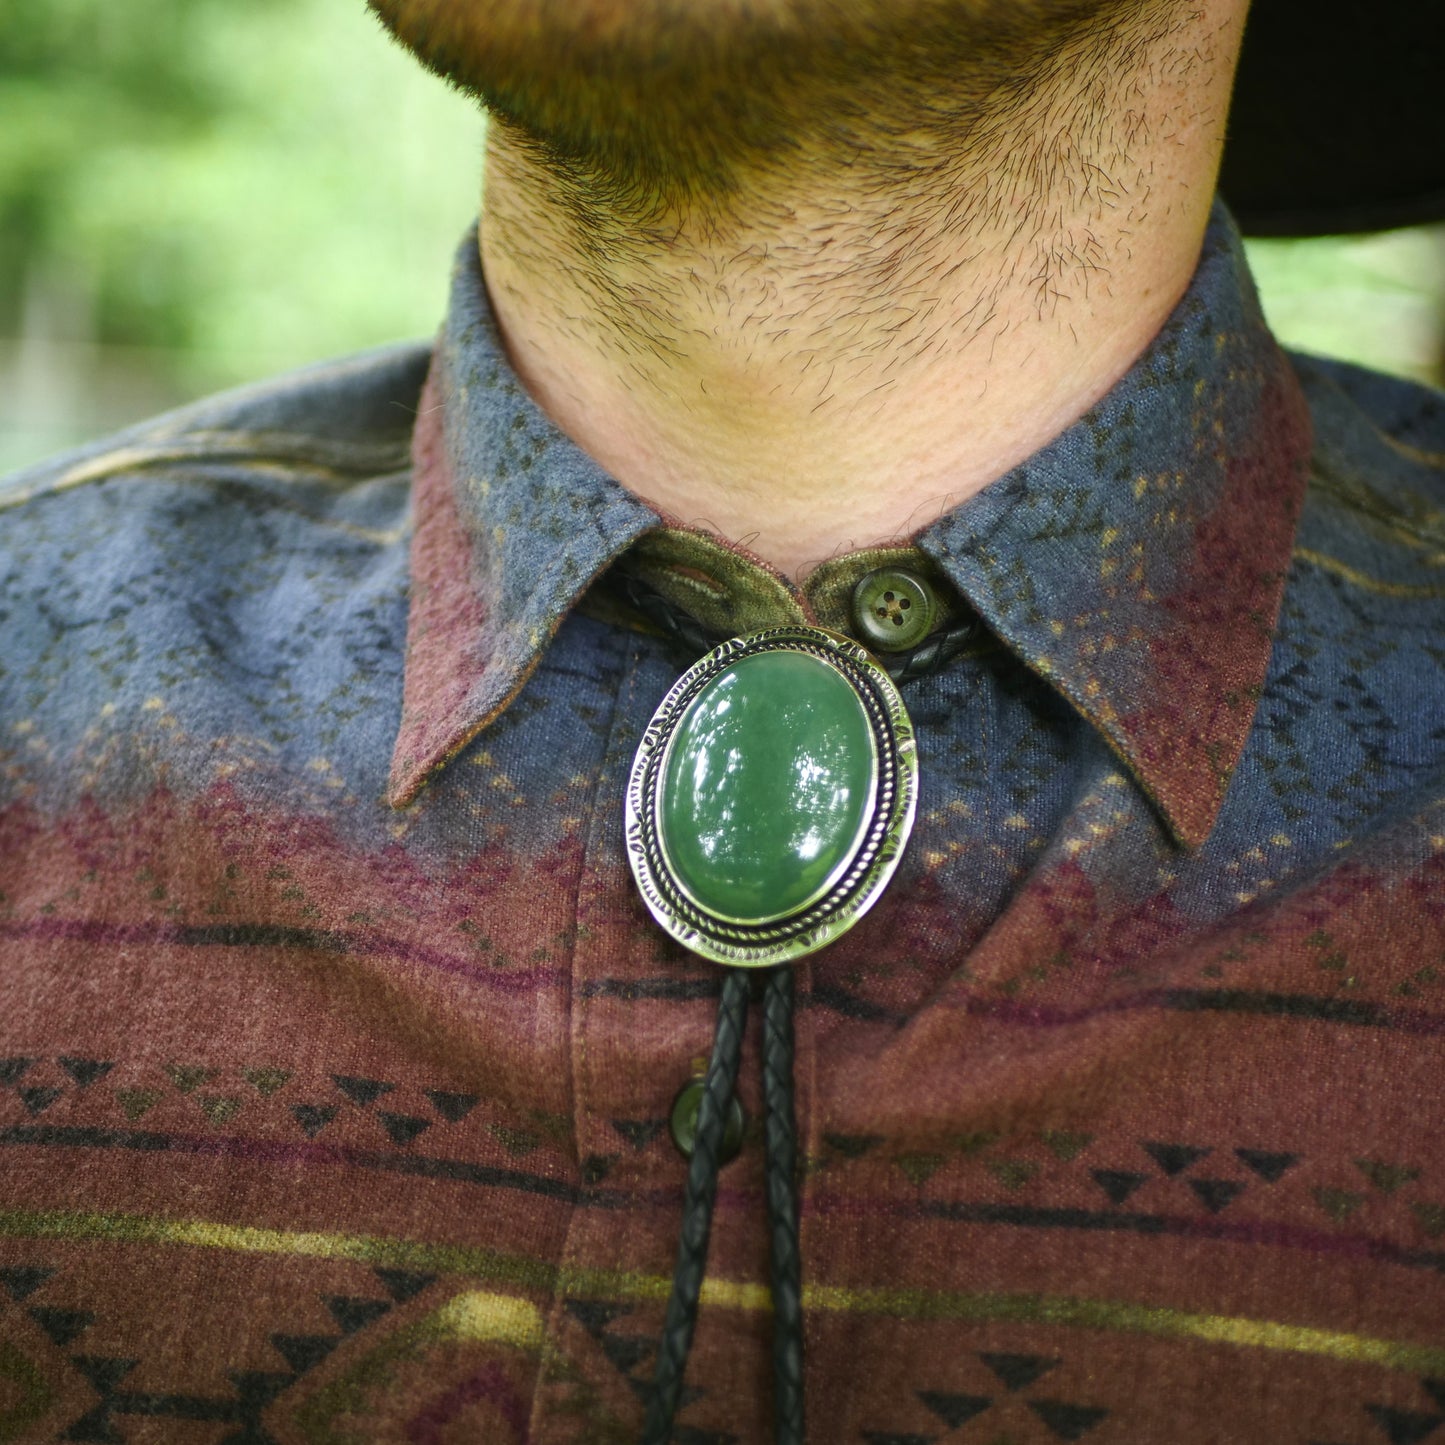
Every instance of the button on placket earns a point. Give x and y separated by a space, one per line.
632 1042
682 1122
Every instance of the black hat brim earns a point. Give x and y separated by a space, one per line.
1336 120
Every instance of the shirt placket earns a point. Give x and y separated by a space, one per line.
642 1014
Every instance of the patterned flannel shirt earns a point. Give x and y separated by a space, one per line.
336 1047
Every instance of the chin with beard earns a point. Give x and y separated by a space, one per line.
661 103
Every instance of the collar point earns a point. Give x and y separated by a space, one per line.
422 747
1190 806
405 782
1190 835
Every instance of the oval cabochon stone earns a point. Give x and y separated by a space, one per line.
768 787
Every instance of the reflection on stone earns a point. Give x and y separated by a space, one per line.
768 787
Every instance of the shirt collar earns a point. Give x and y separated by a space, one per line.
511 523
1136 562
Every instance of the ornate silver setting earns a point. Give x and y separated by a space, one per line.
854 887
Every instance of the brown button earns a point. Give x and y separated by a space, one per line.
683 1122
893 609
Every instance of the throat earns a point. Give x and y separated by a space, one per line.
832 356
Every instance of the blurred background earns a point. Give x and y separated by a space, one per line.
195 193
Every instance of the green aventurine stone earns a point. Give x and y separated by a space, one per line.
768 788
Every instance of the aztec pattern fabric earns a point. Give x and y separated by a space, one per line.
336 1049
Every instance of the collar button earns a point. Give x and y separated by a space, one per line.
893 609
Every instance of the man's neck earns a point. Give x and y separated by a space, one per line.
840 353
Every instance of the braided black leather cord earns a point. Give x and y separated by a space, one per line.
718 1087
930 654
669 620
782 1166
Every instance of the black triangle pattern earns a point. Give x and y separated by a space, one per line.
1270 1167
402 1128
1118 1184
13 1069
1018 1372
954 1410
86 1071
639 1132
361 1091
626 1351
61 1325
1404 1427
1175 1158
403 1284
1067 1422
313 1118
595 1315
103 1374
255 1389
39 1099
21 1281
886 1437
1435 1389
596 1168
353 1314
96 1428
1216 1194
453 1107
304 1352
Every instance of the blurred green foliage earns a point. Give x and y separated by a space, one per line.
1378 300
195 193
83 83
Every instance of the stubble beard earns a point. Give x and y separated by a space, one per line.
879 182
647 108
821 212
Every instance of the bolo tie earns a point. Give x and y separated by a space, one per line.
768 805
